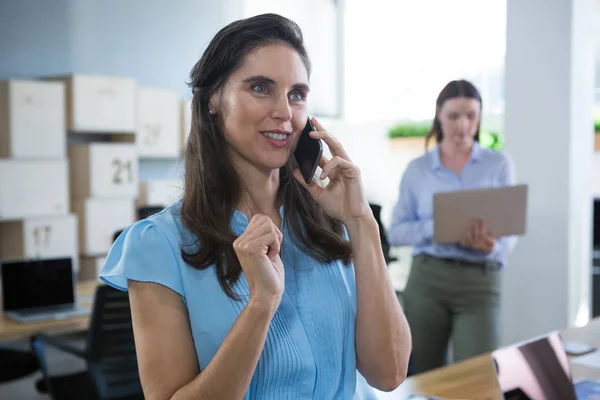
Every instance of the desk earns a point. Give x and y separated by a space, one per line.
12 330
475 378
469 379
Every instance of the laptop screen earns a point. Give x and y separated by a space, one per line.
37 283
538 369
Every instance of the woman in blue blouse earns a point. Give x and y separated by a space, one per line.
453 290
256 285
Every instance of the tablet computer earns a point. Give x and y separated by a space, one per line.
503 209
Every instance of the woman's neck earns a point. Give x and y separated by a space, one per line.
454 157
453 152
259 194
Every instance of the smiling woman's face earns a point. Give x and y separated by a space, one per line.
263 107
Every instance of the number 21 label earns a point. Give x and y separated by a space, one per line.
121 172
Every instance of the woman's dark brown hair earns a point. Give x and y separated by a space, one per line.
212 188
459 88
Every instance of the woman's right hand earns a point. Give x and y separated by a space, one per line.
477 237
258 251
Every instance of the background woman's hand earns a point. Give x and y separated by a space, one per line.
477 237
343 197
258 251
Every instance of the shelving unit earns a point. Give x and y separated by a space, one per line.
69 163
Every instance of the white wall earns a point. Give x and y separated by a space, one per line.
158 42
548 123
34 38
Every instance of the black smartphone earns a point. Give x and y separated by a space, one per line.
308 152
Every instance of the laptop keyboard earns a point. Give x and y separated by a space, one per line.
47 310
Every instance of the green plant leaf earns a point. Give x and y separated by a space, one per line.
410 129
487 139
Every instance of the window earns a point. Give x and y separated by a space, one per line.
400 54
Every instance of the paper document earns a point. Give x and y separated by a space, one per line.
589 360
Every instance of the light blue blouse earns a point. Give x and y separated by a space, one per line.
309 352
412 218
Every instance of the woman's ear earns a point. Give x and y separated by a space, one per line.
211 107
213 103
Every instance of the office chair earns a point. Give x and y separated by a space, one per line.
16 364
142 213
385 246
117 234
146 211
112 371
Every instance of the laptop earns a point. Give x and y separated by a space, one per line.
539 370
40 290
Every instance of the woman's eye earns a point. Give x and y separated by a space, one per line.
260 88
297 96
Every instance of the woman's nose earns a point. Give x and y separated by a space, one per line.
282 109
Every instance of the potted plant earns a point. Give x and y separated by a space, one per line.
411 136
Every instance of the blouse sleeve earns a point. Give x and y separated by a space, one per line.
142 253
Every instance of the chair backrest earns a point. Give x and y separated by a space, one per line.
112 359
146 211
385 246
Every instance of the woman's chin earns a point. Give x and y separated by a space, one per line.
463 142
279 161
275 164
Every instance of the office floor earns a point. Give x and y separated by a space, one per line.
58 363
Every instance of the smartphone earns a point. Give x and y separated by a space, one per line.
308 152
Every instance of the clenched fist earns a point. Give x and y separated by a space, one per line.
258 251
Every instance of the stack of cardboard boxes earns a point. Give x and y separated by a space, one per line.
35 218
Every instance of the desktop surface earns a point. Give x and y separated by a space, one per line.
475 378
13 330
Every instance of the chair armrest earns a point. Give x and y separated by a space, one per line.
62 345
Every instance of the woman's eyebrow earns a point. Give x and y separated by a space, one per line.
259 78
301 86
262 78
